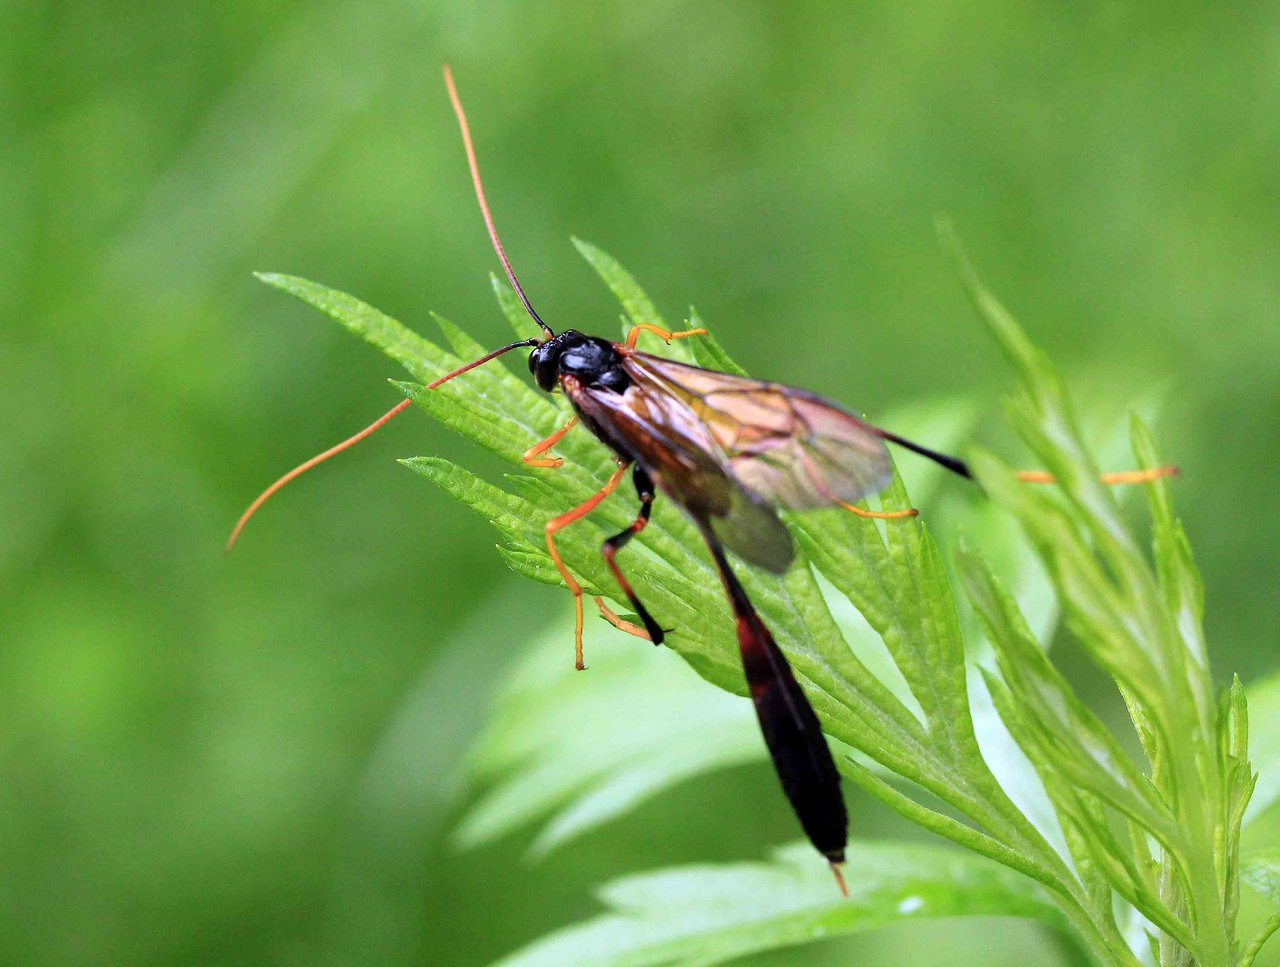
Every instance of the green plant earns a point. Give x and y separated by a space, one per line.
1139 864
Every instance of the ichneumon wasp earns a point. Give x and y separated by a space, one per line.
731 452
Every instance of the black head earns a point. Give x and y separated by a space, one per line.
544 361
593 361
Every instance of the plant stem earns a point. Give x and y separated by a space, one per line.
1255 945
1205 901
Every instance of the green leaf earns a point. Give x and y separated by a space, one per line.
424 360
1059 732
1178 575
707 351
699 915
1142 625
892 683
652 724
514 517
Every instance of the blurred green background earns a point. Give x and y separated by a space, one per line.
207 760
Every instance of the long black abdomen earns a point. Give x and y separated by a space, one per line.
799 750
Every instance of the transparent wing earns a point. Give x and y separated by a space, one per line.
789 447
675 446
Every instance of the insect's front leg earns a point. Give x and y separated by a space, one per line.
651 630
533 456
564 520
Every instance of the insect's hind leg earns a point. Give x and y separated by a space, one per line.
564 520
1111 478
958 466
652 630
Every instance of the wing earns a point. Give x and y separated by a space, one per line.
665 436
789 447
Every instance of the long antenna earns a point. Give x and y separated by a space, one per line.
351 441
484 205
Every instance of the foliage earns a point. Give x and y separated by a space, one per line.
1143 862
710 914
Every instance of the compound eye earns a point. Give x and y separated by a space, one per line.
543 369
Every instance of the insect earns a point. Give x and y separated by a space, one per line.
730 452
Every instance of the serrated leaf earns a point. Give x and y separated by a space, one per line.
937 822
1179 576
513 516
424 360
534 565
893 573
1061 734
1142 626
844 693
700 915
707 351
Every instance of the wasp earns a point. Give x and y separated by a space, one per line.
729 451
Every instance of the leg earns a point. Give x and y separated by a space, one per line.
564 520
619 622
955 465
531 456
1111 477
610 548
879 514
661 333
820 485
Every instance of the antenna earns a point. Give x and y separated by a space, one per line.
484 205
403 404
356 438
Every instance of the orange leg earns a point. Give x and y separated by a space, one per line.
1111 477
879 514
958 466
532 455
575 588
622 624
661 333
823 489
